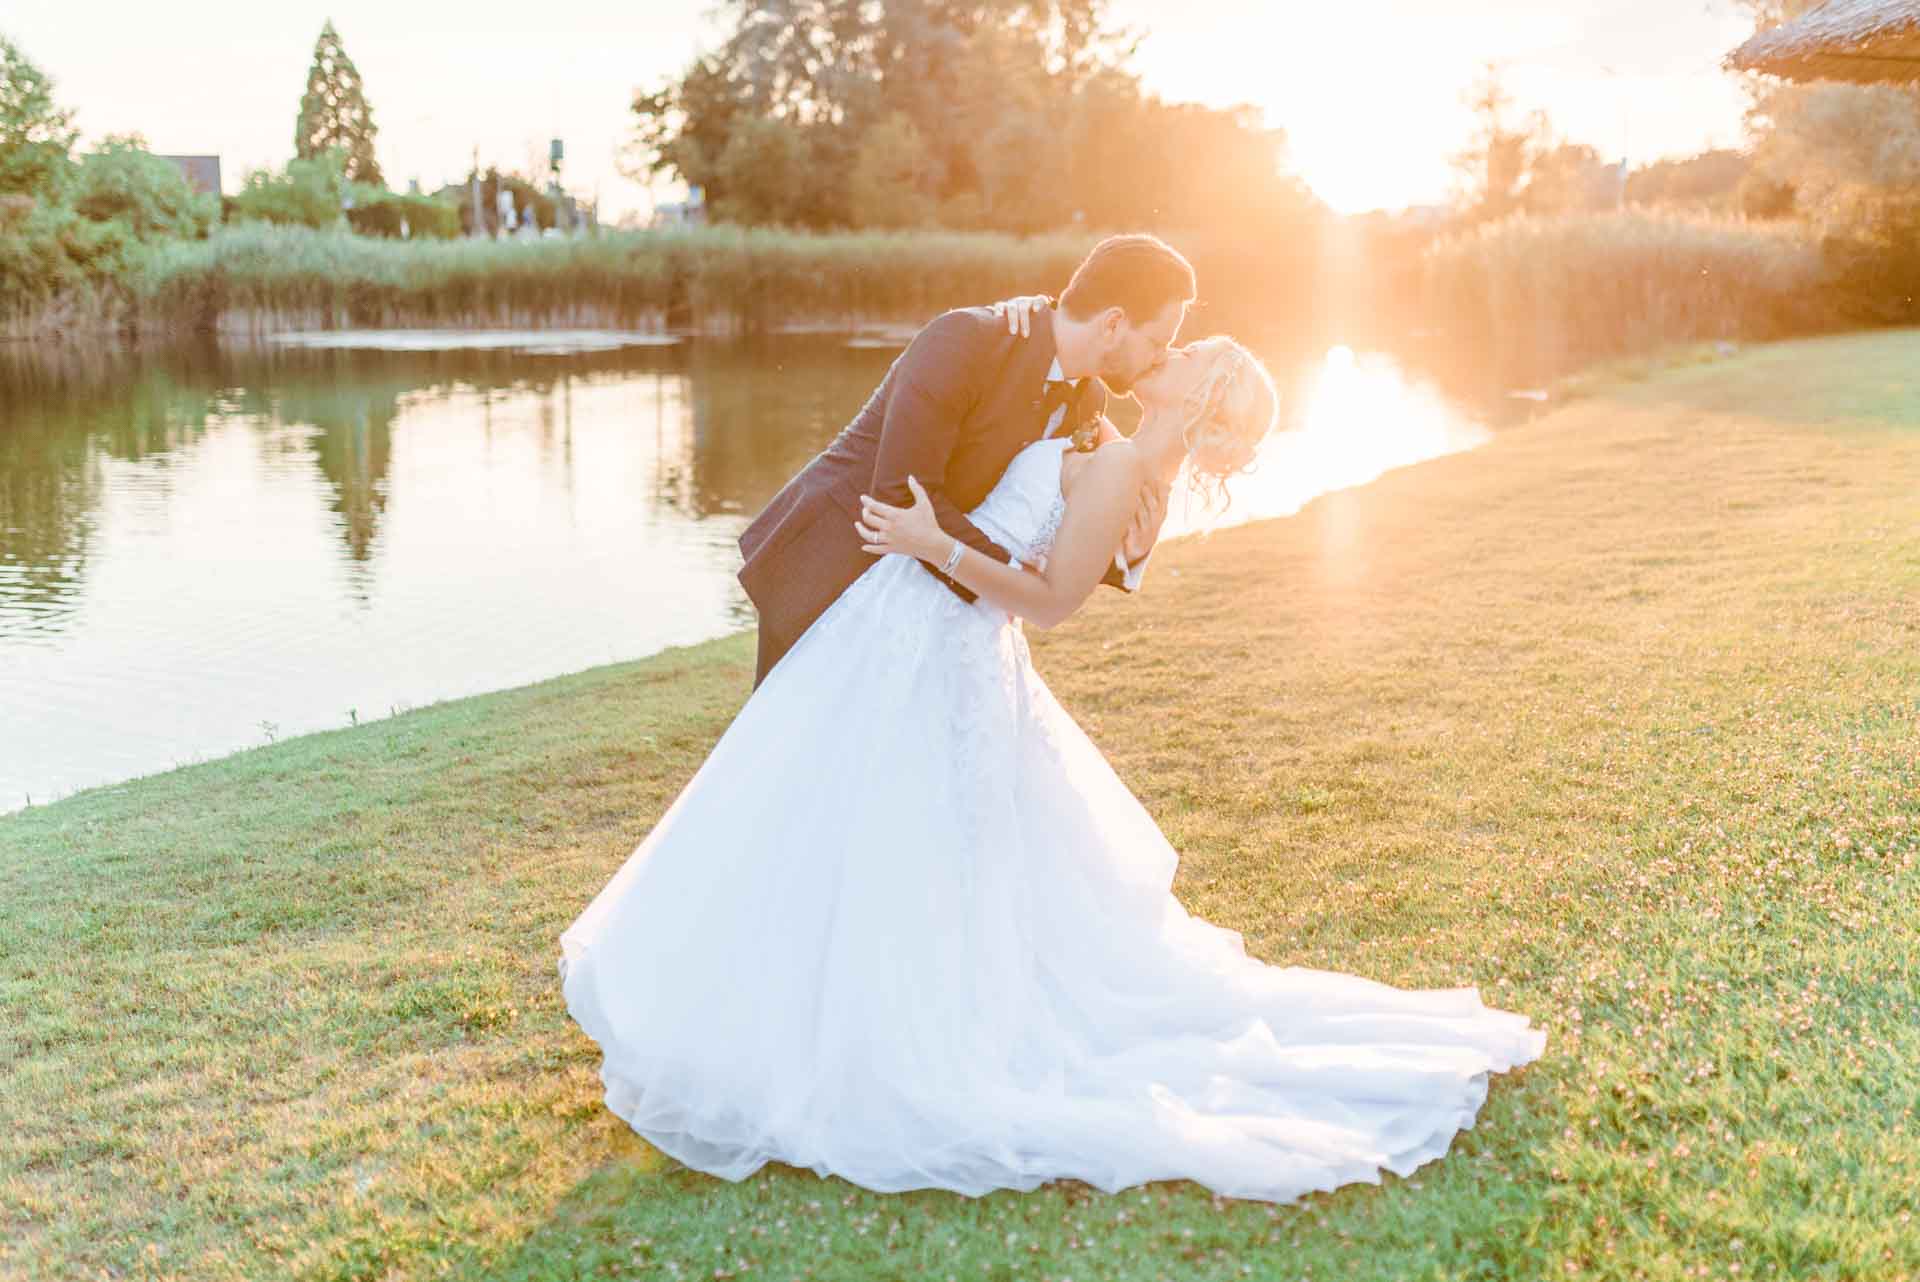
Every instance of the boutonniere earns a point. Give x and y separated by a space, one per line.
1086 427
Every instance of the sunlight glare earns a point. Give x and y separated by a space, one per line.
1362 416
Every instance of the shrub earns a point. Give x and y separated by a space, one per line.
306 195
1874 264
52 258
389 214
122 181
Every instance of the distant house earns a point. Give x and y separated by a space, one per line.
691 212
201 172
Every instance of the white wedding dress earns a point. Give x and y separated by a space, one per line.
906 926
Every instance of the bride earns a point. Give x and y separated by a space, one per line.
906 926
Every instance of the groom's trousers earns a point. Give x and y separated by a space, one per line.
771 648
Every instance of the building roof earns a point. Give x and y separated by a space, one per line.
1866 41
201 172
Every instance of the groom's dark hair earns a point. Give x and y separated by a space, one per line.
1139 274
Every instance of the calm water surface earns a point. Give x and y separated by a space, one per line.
206 548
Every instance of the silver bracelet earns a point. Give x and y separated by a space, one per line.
953 558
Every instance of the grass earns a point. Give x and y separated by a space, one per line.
1617 718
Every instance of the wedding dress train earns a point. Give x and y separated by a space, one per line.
906 926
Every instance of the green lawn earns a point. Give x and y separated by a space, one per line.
1617 717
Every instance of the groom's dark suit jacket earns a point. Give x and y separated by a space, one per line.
954 409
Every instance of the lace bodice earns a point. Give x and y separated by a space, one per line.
1022 513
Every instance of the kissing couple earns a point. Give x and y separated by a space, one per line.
905 925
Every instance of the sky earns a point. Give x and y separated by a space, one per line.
1369 94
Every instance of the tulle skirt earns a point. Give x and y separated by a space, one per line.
906 926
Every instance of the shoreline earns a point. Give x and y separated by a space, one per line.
1562 392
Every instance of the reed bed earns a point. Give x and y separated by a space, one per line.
1533 298
256 277
718 279
1524 299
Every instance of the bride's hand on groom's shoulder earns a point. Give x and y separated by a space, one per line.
1019 312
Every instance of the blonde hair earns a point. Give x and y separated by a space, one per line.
1232 407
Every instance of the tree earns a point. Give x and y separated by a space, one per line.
1118 155
123 180
685 127
334 111
1495 166
762 174
1221 166
1569 178
1848 149
1716 179
1846 154
1021 169
1011 114
308 194
36 137
975 80
891 175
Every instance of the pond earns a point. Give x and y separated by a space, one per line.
209 547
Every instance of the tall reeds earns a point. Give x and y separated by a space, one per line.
723 279
713 279
1523 299
1531 298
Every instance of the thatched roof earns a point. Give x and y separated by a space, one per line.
1868 41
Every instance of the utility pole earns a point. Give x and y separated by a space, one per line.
473 185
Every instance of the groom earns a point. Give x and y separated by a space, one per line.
956 406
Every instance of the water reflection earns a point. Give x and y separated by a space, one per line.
1347 420
208 546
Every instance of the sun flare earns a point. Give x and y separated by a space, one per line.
1362 414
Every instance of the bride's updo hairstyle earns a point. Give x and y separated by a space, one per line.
1224 418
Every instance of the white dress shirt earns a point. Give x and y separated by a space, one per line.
1130 574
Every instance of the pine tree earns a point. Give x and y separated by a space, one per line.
334 111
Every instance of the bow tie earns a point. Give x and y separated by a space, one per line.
1061 392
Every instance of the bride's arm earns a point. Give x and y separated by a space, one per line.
1104 497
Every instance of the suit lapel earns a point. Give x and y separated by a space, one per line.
1028 370
1008 416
